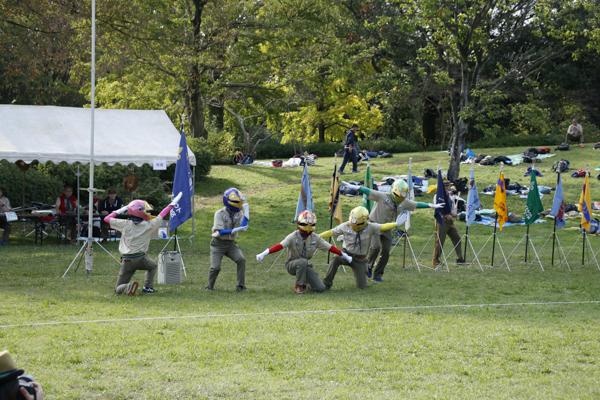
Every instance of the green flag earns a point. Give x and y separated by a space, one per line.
368 204
534 204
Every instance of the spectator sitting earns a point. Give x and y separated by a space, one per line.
575 132
67 204
4 207
9 381
108 205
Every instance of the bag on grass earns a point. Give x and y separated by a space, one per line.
560 166
594 224
563 147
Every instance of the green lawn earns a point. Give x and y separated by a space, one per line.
413 336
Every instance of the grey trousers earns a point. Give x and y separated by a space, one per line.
381 242
229 248
305 274
574 137
128 268
7 228
358 265
449 229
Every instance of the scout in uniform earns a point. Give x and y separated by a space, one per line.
228 221
301 245
135 239
387 207
358 233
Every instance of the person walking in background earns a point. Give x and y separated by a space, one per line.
349 146
575 132
4 207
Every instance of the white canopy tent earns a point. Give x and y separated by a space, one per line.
49 133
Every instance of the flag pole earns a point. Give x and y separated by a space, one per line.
553 240
494 240
466 243
331 213
526 242
437 238
406 230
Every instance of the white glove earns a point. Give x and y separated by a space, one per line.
401 219
239 229
121 210
346 257
246 208
440 205
354 187
262 255
176 199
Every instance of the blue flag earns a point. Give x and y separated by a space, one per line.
441 196
305 198
182 183
558 205
472 200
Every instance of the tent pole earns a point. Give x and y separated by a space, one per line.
89 260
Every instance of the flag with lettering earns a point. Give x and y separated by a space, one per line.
411 196
558 205
472 200
500 201
305 198
441 196
366 203
585 204
335 203
534 204
183 183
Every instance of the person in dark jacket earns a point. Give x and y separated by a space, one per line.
108 205
349 146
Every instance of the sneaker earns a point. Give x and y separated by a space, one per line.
327 287
298 289
104 241
341 172
581 145
149 290
355 172
131 288
209 288
369 272
376 280
241 289
3 243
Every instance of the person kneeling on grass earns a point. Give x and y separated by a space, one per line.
357 233
301 246
135 239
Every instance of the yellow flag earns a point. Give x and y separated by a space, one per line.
500 202
335 202
585 204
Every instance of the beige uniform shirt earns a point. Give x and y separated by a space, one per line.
298 247
135 238
385 210
575 129
4 202
357 243
224 220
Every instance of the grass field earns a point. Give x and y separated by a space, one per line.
466 333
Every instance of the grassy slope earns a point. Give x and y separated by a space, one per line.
477 352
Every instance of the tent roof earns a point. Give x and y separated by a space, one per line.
49 133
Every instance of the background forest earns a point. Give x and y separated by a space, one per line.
252 75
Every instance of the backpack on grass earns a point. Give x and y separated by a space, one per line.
563 147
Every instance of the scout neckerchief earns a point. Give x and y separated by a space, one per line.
304 239
358 239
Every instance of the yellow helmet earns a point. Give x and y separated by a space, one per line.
307 221
399 191
359 218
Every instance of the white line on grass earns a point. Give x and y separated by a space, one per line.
550 303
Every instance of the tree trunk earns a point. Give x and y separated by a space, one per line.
217 113
321 128
196 113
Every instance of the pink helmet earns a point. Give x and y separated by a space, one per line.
139 208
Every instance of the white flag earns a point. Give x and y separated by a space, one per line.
472 199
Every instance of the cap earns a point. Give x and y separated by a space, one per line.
8 368
112 190
447 182
575 120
